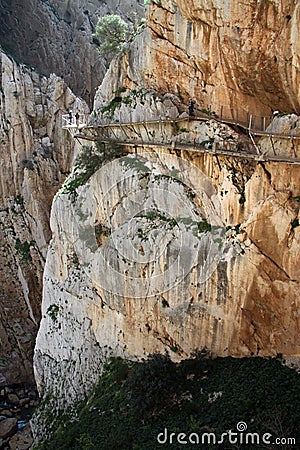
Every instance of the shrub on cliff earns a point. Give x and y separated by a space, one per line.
89 160
135 402
112 32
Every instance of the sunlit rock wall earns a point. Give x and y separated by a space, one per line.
133 267
234 54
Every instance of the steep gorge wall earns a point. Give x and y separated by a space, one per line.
55 36
230 53
36 154
132 268
235 54
178 250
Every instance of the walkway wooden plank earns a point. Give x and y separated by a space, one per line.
204 118
194 148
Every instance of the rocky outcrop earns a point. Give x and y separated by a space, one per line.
36 154
221 54
175 250
56 36
279 137
285 124
8 427
229 53
16 405
157 253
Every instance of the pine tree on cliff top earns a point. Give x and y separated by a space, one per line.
111 34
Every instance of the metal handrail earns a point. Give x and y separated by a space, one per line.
217 151
257 125
74 121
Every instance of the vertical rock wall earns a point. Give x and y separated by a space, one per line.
229 54
56 36
133 267
248 305
36 154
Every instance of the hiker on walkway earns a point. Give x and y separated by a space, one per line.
70 117
77 118
191 106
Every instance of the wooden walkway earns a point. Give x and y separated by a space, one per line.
201 118
107 132
194 148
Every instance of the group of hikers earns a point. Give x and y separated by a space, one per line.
72 117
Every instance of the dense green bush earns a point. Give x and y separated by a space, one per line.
111 34
134 402
89 160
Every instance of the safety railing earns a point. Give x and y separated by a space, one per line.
74 120
254 124
245 119
257 125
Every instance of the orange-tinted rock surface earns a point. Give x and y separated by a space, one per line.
233 53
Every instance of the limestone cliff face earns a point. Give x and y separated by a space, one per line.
175 250
229 52
237 54
162 252
133 267
35 156
56 36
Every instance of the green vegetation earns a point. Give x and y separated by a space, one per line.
136 164
238 181
134 402
52 311
112 32
119 99
191 194
23 249
87 163
208 112
73 261
19 200
202 227
295 223
236 228
208 142
282 114
109 109
154 217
